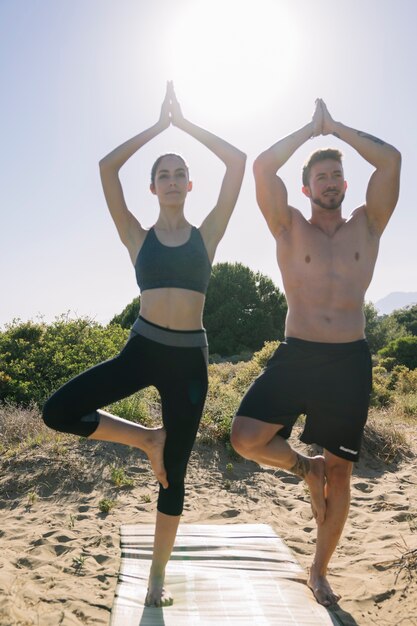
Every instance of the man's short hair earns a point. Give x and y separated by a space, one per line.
316 157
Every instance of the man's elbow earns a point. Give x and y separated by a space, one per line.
263 169
395 158
103 163
259 166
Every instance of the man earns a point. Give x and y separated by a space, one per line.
323 369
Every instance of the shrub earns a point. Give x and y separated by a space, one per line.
263 356
403 350
36 358
405 380
381 395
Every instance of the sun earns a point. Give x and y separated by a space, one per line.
233 54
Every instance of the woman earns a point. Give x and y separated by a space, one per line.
167 347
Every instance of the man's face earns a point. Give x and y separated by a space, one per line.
327 186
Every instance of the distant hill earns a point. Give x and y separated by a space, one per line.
395 300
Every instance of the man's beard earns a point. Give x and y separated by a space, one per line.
333 203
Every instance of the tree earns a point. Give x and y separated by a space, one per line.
407 317
243 310
381 329
403 350
126 318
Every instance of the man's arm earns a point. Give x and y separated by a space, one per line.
384 184
271 192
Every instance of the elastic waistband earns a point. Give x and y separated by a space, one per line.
169 337
321 346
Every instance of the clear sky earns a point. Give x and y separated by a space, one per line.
78 77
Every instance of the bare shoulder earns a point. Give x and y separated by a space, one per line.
298 220
360 218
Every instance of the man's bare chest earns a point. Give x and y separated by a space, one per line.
308 251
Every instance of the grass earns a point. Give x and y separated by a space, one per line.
385 437
119 478
78 563
405 564
106 505
23 434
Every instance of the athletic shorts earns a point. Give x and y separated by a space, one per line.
329 383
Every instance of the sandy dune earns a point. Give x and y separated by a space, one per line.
59 554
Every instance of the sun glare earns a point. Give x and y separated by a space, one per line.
234 54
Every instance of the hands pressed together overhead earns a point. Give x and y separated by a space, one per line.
170 110
323 123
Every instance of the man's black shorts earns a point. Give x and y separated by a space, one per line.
329 383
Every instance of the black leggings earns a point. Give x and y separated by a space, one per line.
178 372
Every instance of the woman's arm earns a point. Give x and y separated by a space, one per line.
214 225
130 231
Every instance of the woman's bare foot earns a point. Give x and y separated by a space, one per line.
157 595
321 589
154 448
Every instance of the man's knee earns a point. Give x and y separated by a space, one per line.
237 435
245 436
338 472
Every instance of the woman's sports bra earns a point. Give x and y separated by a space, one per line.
185 267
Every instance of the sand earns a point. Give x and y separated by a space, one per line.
59 555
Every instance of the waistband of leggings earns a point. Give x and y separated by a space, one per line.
326 348
169 337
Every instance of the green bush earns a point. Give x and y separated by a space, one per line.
405 380
403 350
381 395
262 357
36 358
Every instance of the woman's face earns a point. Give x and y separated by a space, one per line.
171 181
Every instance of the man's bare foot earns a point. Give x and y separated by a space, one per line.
154 448
157 595
312 469
321 589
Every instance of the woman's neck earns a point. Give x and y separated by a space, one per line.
174 220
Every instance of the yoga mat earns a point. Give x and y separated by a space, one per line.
219 575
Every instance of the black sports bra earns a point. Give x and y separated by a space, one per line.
186 266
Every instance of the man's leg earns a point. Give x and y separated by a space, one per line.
260 442
338 473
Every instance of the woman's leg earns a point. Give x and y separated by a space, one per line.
183 395
74 408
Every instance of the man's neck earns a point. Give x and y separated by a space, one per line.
327 220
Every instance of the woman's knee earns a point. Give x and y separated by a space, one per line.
51 414
59 417
171 500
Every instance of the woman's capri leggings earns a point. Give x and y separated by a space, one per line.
175 362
